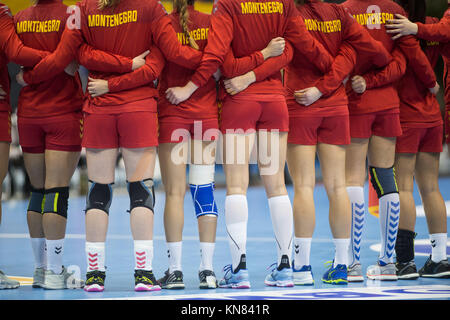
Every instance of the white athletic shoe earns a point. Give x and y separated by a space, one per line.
384 273
354 273
64 280
38 277
7 283
302 276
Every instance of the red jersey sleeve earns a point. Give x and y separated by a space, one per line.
98 60
342 66
12 46
233 67
274 64
149 72
435 32
165 38
416 59
362 41
220 36
55 63
391 73
305 43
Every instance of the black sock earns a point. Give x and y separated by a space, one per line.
404 246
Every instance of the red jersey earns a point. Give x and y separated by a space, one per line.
247 26
41 27
373 15
12 49
331 25
418 106
128 29
202 104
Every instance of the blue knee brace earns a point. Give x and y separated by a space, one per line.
383 180
99 197
203 197
36 200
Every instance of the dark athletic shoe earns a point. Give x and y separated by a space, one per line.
172 280
433 269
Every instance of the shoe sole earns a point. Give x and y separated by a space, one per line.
94 288
280 283
6 287
437 275
140 287
308 281
355 278
339 282
175 286
383 277
411 276
240 285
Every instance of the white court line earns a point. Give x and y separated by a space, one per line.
420 212
373 291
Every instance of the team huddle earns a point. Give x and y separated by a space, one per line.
352 83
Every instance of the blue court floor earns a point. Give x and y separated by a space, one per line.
16 255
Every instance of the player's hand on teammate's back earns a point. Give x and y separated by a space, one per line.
401 26
239 83
97 87
177 95
139 61
19 79
274 48
435 89
307 96
359 84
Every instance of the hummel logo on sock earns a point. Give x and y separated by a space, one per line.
58 250
297 250
433 243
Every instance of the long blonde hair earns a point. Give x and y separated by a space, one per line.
181 7
102 4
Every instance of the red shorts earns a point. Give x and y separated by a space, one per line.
383 124
415 140
5 126
127 130
254 112
176 129
312 130
60 133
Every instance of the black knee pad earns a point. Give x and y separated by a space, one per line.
142 194
56 200
99 197
36 203
383 180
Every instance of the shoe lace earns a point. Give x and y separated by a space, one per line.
272 267
329 263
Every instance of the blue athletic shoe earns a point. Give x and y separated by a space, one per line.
238 280
279 278
335 275
303 276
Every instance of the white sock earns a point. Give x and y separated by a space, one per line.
143 254
283 224
55 251
438 246
95 256
236 218
206 255
341 251
39 252
356 196
389 211
302 249
174 251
